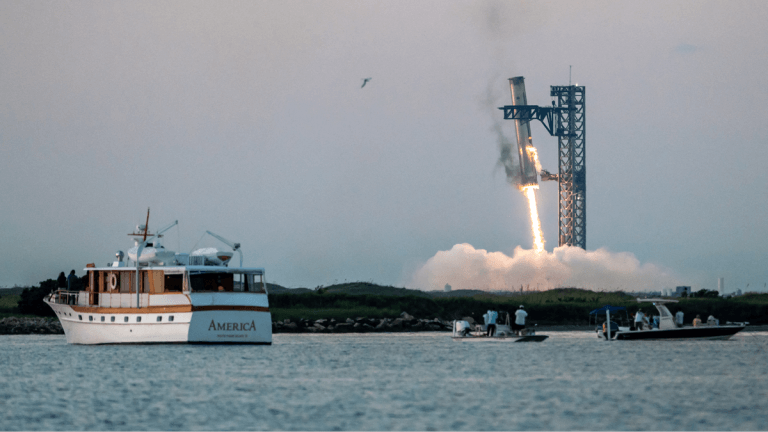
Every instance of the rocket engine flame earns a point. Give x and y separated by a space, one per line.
538 237
535 154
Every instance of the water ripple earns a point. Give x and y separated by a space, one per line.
420 381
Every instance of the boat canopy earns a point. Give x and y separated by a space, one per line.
607 308
656 300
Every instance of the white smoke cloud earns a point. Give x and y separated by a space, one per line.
465 267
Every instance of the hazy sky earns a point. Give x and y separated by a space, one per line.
247 119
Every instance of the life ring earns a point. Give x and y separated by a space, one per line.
112 281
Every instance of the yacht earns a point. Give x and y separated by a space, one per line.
160 296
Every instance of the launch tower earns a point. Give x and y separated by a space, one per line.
564 119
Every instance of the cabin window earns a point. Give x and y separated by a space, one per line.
90 317
80 317
138 319
240 282
102 318
145 281
112 319
249 282
257 284
174 282
124 281
212 282
159 318
170 318
126 319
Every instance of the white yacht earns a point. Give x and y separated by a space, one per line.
174 298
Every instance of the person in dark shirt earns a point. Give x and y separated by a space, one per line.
71 281
61 282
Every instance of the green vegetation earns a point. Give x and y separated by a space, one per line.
9 305
363 299
31 301
558 306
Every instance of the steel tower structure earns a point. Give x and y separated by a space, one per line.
565 119
572 174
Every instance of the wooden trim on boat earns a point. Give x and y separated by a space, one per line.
144 310
165 309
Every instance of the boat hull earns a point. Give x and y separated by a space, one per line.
718 333
530 338
213 324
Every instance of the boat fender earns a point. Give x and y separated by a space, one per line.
112 281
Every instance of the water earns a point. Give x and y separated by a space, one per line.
420 381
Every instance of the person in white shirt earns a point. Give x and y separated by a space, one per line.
490 322
639 320
520 315
679 318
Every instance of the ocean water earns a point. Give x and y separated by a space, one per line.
419 381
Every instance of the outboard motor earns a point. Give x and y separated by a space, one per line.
461 328
614 329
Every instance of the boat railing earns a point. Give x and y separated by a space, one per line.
65 297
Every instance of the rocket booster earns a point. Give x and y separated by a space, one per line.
523 128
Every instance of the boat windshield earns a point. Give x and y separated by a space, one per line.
227 282
663 311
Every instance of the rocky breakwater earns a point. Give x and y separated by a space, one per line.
404 323
15 325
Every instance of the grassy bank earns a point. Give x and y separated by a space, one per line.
564 306
9 306
553 307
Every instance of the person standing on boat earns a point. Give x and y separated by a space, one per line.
639 320
520 315
71 281
490 322
679 318
61 282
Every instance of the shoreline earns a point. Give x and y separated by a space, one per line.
404 324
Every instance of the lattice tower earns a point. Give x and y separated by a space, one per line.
572 185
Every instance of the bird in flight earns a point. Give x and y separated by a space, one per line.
365 81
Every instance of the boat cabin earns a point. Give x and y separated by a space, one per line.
116 286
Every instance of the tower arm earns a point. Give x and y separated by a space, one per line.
546 115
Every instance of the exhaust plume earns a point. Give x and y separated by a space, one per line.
465 267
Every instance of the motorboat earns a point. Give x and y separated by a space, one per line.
167 297
464 331
667 329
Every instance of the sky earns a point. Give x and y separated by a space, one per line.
248 119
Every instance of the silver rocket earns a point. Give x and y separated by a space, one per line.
523 128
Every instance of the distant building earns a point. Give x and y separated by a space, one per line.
682 289
447 288
721 286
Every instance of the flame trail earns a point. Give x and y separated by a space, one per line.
538 238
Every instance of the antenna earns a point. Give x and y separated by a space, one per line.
570 69
146 229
